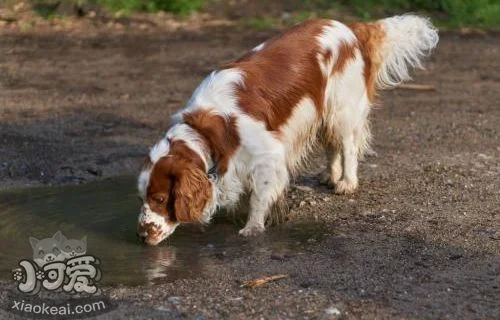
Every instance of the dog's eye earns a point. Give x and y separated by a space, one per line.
159 199
68 247
41 253
79 248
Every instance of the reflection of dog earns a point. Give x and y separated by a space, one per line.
158 262
47 250
251 124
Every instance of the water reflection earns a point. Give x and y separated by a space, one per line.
106 213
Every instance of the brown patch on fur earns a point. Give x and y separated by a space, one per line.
370 37
178 186
220 134
346 53
281 74
147 163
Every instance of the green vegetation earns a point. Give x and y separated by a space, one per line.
445 13
449 13
47 8
175 6
454 13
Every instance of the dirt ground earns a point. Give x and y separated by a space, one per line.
419 240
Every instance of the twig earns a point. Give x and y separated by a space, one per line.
262 281
414 86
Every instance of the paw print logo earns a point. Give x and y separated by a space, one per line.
40 275
17 275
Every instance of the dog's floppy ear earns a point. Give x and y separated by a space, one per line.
192 191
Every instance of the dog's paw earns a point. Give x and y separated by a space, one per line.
328 178
346 187
252 230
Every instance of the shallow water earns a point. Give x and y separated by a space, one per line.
106 212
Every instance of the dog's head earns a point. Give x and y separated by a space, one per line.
174 189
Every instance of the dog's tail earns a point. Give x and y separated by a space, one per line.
393 46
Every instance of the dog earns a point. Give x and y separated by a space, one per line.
250 124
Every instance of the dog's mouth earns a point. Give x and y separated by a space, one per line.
153 228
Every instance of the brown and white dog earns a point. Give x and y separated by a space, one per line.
251 123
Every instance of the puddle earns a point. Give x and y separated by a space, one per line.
106 212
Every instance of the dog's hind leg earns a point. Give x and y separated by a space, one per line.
354 142
333 172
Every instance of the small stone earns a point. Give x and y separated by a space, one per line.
302 203
304 188
94 171
331 313
174 300
163 309
236 299
147 296
18 7
278 256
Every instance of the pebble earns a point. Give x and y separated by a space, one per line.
94 171
174 300
304 188
163 309
331 313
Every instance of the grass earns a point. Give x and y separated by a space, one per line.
452 13
445 13
46 8
181 7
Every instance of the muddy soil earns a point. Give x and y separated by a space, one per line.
419 240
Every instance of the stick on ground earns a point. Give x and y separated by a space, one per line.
262 281
415 86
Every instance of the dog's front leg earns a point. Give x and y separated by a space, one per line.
268 181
